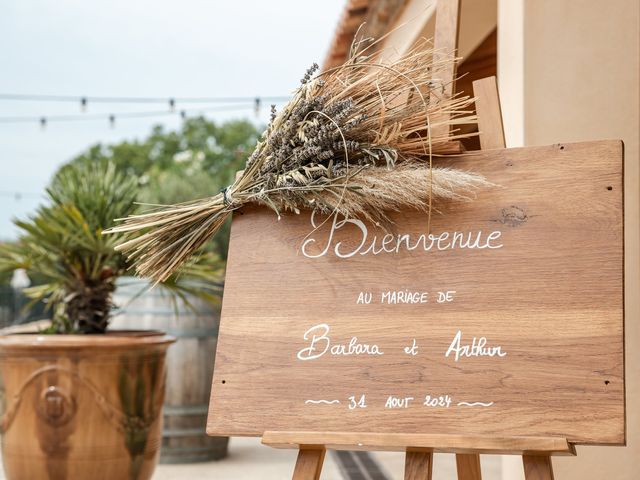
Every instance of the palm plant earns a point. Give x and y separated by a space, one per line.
63 244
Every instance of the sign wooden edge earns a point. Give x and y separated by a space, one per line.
272 437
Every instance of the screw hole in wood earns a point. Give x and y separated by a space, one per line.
607 382
609 188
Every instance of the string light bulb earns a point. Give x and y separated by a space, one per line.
83 104
112 121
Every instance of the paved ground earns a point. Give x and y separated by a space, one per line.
249 460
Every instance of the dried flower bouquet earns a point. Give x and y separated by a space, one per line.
357 140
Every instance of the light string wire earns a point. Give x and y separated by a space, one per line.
113 116
127 99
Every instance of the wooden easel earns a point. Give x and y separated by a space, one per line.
419 448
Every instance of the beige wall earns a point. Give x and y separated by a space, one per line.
577 65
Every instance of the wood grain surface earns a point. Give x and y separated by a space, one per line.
551 296
309 464
418 465
402 442
490 125
468 466
537 467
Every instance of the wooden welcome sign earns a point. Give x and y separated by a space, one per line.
505 319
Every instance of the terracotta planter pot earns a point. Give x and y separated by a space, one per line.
186 403
82 406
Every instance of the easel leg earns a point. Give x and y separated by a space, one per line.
537 467
491 136
489 113
418 465
309 464
468 465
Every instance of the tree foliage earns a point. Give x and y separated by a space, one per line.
196 161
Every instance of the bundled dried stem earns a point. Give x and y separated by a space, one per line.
355 140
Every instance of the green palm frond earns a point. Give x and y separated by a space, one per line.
63 244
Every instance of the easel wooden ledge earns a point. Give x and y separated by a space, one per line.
419 450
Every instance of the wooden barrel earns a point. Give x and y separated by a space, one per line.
189 365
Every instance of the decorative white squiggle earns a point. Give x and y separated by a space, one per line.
326 402
475 404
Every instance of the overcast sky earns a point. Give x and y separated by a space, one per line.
138 48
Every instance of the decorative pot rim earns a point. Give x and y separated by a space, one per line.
108 340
